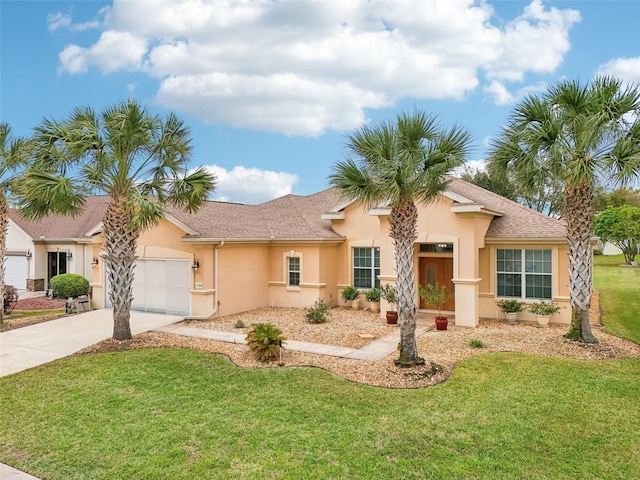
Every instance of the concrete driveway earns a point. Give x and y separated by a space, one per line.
27 347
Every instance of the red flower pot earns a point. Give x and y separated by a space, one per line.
392 317
442 322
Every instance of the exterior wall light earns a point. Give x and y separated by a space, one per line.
94 262
195 266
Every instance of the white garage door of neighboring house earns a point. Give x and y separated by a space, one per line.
161 286
15 271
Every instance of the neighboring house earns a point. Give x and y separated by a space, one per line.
228 258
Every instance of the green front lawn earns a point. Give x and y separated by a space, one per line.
619 297
182 414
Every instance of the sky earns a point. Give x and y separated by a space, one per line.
271 89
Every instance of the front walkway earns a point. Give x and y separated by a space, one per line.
374 351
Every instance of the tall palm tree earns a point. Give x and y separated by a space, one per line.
13 155
580 134
400 164
139 160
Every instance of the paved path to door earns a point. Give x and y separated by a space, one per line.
374 351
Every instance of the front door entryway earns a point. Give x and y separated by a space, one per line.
439 270
56 264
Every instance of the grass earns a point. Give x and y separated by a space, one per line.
619 297
33 313
182 414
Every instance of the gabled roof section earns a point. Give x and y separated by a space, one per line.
515 220
291 217
65 227
511 220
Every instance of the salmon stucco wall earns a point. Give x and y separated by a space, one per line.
317 274
243 277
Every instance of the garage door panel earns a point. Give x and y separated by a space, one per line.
15 271
162 286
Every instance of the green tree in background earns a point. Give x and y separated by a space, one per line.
621 227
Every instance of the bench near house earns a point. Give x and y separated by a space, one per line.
229 257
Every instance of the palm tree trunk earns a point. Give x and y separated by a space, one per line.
120 257
579 216
403 222
4 224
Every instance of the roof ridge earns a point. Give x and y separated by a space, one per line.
506 200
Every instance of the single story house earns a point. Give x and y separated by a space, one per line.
228 257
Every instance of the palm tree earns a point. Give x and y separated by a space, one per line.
139 160
12 157
579 134
398 165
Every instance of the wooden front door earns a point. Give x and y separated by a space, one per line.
437 270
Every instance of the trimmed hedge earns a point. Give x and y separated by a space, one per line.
68 285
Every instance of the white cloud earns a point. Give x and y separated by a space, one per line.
113 51
500 96
536 41
251 185
306 67
627 69
499 93
64 20
58 20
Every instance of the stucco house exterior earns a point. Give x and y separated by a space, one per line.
229 257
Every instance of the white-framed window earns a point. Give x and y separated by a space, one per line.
293 271
366 267
524 273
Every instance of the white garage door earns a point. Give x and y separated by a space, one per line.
15 271
161 286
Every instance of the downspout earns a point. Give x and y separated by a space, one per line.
215 287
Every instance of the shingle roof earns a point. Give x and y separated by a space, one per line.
517 221
64 227
288 217
298 217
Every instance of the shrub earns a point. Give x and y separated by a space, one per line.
239 324
388 292
318 312
264 341
543 308
373 295
10 298
68 285
475 343
350 293
510 305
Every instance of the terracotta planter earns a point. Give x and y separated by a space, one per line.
374 306
442 322
355 304
543 320
392 317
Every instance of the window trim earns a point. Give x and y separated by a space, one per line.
289 271
375 270
523 273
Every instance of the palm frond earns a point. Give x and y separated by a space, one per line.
192 190
39 194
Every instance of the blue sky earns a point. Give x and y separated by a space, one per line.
271 89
